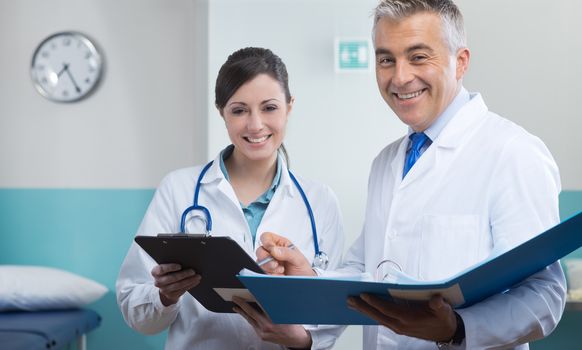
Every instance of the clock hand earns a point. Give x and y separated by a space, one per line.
77 88
65 67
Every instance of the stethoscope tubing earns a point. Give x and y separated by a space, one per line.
309 211
196 206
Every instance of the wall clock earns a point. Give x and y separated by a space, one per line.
66 67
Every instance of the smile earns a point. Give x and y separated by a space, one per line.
410 95
257 140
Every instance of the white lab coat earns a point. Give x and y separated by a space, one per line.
483 186
190 325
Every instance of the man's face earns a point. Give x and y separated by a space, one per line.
417 74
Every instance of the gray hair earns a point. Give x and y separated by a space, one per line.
451 17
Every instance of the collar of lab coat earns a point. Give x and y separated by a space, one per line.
461 126
463 123
214 174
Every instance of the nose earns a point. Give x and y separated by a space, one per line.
255 121
403 74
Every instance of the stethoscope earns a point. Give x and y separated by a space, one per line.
320 260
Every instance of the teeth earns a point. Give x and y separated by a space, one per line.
259 140
410 95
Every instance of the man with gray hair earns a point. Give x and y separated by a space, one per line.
463 185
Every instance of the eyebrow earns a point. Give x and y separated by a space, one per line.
244 104
269 100
383 51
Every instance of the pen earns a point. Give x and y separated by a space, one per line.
270 258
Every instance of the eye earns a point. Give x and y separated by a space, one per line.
270 108
237 111
419 58
385 60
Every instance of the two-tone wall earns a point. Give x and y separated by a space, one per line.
76 179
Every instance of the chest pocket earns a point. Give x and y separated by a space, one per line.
449 244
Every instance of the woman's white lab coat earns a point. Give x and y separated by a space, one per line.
190 325
483 186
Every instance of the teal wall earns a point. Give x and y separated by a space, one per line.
86 232
567 335
89 231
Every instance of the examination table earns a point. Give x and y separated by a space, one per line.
55 329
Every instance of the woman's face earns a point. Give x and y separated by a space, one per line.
256 118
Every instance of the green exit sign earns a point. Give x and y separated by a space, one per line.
352 55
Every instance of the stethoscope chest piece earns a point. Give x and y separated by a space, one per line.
320 260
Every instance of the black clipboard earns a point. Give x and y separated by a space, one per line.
217 259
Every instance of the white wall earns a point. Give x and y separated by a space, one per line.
339 121
147 117
526 62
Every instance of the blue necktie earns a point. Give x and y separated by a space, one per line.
418 140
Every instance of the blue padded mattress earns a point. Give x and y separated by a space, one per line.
45 329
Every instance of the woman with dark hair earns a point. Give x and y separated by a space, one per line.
249 190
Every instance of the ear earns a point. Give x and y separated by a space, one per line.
463 58
290 105
220 111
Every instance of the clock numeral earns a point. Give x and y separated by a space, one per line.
88 55
53 46
87 81
44 80
67 41
40 66
65 93
45 54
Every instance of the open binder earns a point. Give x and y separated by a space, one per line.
318 300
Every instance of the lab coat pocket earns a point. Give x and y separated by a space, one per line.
449 244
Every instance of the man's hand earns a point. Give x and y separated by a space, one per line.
173 282
291 336
286 261
434 320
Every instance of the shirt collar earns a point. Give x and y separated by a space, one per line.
439 124
265 197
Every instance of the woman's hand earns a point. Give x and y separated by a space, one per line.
173 282
291 336
287 261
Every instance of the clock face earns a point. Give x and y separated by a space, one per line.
66 67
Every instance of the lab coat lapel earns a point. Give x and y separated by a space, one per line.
397 164
215 177
285 189
423 165
464 124
436 157
275 213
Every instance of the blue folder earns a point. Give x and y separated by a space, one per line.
316 300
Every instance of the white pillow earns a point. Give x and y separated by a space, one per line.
34 288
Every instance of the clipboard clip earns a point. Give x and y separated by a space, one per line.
184 235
